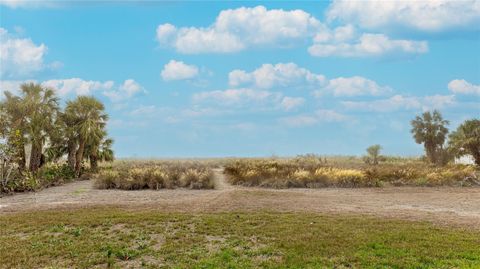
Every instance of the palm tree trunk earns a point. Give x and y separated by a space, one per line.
72 147
93 161
22 162
431 152
79 156
35 156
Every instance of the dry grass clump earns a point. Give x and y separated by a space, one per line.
310 172
155 175
425 175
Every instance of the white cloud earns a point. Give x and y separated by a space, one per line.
279 75
177 70
237 29
12 86
77 86
239 77
299 121
367 45
145 111
21 57
399 102
353 86
321 115
237 97
422 15
289 103
128 89
461 86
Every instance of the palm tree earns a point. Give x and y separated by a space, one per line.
374 153
30 116
466 139
106 153
88 119
100 150
41 109
66 138
430 129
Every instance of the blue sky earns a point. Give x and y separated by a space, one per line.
211 79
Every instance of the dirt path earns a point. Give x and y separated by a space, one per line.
443 205
220 181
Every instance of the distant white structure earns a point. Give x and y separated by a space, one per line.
465 159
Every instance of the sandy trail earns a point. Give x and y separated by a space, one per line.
443 205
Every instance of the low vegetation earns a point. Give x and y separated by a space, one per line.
137 175
114 238
46 176
316 172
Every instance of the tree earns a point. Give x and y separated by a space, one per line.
12 126
87 118
430 129
7 160
466 139
99 151
41 108
373 154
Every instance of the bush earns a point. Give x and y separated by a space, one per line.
314 173
48 175
155 175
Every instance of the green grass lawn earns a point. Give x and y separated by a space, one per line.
120 239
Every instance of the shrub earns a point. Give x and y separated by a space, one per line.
155 175
314 173
51 174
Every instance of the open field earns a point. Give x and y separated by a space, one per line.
442 205
78 225
86 238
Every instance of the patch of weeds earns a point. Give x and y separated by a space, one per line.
57 228
76 231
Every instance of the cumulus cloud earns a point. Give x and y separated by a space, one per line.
20 57
77 86
278 75
400 102
319 116
289 103
177 70
427 16
461 86
367 45
237 29
237 96
12 86
126 90
353 86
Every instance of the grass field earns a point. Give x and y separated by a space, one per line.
116 238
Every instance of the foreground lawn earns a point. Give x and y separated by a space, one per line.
121 239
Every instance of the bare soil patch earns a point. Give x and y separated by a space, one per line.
441 205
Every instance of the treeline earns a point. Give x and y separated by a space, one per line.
33 122
441 147
431 130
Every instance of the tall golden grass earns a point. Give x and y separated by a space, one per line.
137 175
312 172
